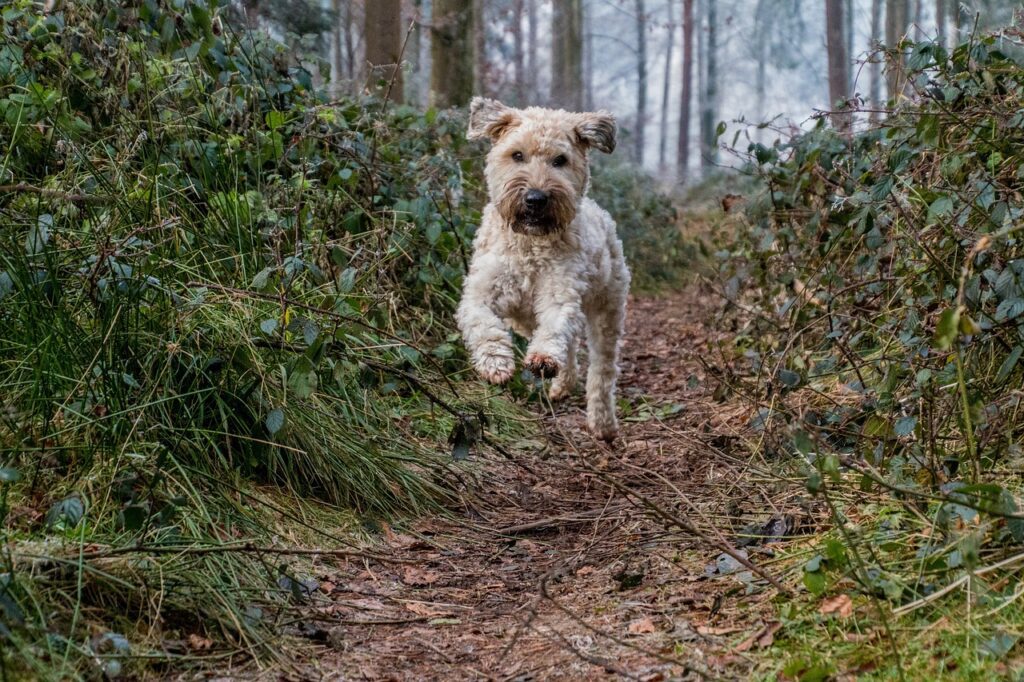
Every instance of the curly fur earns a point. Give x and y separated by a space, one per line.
550 275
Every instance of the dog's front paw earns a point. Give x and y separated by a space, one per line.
496 369
542 365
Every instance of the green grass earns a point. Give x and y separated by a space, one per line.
225 335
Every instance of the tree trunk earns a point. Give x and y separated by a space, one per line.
876 66
641 80
849 22
763 26
518 51
588 64
895 27
686 97
531 45
349 24
940 21
709 146
383 35
414 56
337 57
567 55
479 48
451 53
838 73
666 87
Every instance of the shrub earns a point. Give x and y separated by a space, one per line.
887 272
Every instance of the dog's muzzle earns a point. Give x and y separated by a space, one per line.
535 217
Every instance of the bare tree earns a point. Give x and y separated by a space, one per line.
641 80
838 66
451 53
518 9
567 55
532 43
479 47
709 96
686 97
896 16
337 56
383 33
349 24
414 54
666 87
876 64
940 21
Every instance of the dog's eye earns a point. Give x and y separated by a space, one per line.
559 161
517 157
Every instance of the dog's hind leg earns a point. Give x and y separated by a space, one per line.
604 329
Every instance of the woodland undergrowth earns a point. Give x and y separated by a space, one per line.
226 341
877 285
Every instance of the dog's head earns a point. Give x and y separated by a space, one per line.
538 169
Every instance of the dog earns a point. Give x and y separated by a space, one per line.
547 262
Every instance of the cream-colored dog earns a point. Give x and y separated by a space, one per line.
547 262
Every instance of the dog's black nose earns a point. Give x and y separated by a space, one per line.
536 199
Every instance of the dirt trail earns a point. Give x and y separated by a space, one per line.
552 573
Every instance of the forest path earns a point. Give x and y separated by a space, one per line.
550 572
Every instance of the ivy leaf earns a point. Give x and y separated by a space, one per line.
946 330
9 475
269 326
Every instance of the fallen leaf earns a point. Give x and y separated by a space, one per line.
425 609
762 639
327 587
199 643
642 627
419 577
840 605
586 570
716 630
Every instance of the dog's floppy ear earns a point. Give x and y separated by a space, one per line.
597 130
489 119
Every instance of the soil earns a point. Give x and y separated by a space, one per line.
578 560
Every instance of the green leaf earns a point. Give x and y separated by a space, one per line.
39 235
269 326
789 378
1008 364
815 582
302 380
947 328
905 426
1009 309
275 421
67 513
940 208
9 475
133 517
259 282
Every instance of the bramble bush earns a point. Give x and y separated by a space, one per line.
210 278
886 353
225 319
